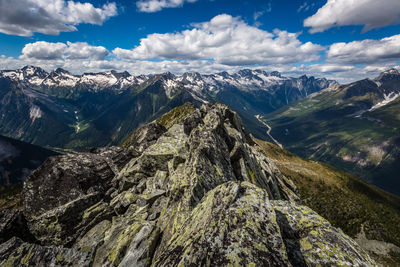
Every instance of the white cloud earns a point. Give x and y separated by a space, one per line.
224 43
56 51
150 6
226 40
44 50
81 50
25 17
305 7
370 13
368 51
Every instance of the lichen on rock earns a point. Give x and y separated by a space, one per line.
199 192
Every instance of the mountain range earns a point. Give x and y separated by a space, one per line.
355 127
58 109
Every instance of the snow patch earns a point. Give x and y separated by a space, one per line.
35 113
387 99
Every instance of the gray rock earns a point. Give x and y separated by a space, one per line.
199 193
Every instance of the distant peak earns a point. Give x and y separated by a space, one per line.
60 71
124 74
33 71
276 74
391 71
168 75
33 68
388 74
223 74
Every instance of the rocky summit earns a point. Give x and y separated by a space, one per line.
195 192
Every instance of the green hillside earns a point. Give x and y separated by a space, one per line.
340 127
345 200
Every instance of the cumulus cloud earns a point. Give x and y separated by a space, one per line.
56 51
226 40
25 17
150 6
81 50
44 50
368 51
370 13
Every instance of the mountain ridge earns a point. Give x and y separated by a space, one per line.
92 110
198 192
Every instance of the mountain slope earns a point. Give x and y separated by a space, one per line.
59 109
345 201
19 159
199 193
354 127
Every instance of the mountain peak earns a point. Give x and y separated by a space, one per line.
30 70
391 71
61 71
119 75
388 75
276 74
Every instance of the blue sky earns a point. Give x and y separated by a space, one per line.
334 39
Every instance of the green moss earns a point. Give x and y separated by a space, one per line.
59 257
176 115
252 176
28 255
123 241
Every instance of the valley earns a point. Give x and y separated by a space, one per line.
354 127
76 112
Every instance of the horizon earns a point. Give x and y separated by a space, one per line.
314 38
190 72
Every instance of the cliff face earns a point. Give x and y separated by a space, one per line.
198 193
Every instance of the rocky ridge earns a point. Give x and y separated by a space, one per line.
197 192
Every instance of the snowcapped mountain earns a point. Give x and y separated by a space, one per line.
39 78
60 109
245 80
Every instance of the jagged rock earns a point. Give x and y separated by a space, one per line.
310 240
63 197
199 193
144 137
15 252
13 223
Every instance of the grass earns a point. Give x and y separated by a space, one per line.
343 199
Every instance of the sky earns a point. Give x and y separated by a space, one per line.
345 40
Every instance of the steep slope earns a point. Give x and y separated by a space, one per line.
354 127
33 117
19 159
346 201
201 193
98 109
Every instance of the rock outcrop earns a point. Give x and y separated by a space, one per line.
199 192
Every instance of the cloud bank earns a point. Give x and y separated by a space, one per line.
226 40
370 13
26 17
224 43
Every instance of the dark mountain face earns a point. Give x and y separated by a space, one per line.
59 109
19 159
355 127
